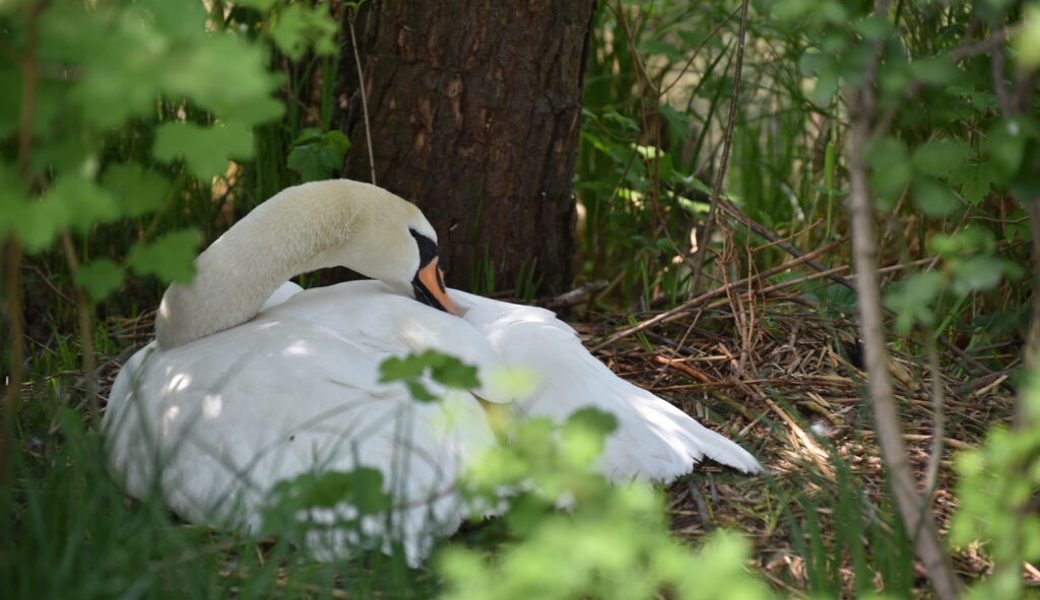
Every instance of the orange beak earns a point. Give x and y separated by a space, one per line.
431 279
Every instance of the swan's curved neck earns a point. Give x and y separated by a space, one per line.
296 231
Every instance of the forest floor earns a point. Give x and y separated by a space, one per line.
789 389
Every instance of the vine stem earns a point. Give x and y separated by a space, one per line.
364 99
13 273
704 237
86 331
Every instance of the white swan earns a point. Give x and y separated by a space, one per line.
252 381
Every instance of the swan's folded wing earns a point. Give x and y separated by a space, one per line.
230 415
654 440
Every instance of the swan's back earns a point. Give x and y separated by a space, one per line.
295 391
654 440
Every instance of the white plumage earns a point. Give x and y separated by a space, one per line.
230 402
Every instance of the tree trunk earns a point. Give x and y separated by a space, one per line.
474 108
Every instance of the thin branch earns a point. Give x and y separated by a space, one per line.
685 307
30 72
364 99
720 175
915 515
697 51
931 477
84 307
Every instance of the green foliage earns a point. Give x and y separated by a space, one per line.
298 26
170 258
996 492
315 155
204 149
441 368
151 73
297 507
613 543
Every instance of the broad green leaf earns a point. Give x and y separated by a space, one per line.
170 258
872 27
1006 145
261 5
937 158
306 161
934 197
10 100
981 273
13 200
401 369
298 26
82 203
912 299
206 150
935 71
99 278
452 372
138 191
679 125
226 75
1026 43
1026 184
185 21
38 223
975 181
288 508
315 155
593 419
967 241
889 168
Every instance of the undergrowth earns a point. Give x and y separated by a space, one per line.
116 181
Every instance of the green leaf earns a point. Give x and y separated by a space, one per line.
935 71
99 278
981 273
228 76
287 509
337 140
1006 145
452 372
679 125
593 419
912 299
967 241
170 258
306 160
298 26
206 150
261 5
137 190
1026 43
77 203
446 370
315 155
872 27
937 158
934 198
975 181
889 168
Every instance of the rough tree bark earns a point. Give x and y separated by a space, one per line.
474 109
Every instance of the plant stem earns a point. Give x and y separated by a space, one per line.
364 99
86 323
704 237
30 72
12 278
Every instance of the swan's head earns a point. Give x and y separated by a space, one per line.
392 241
